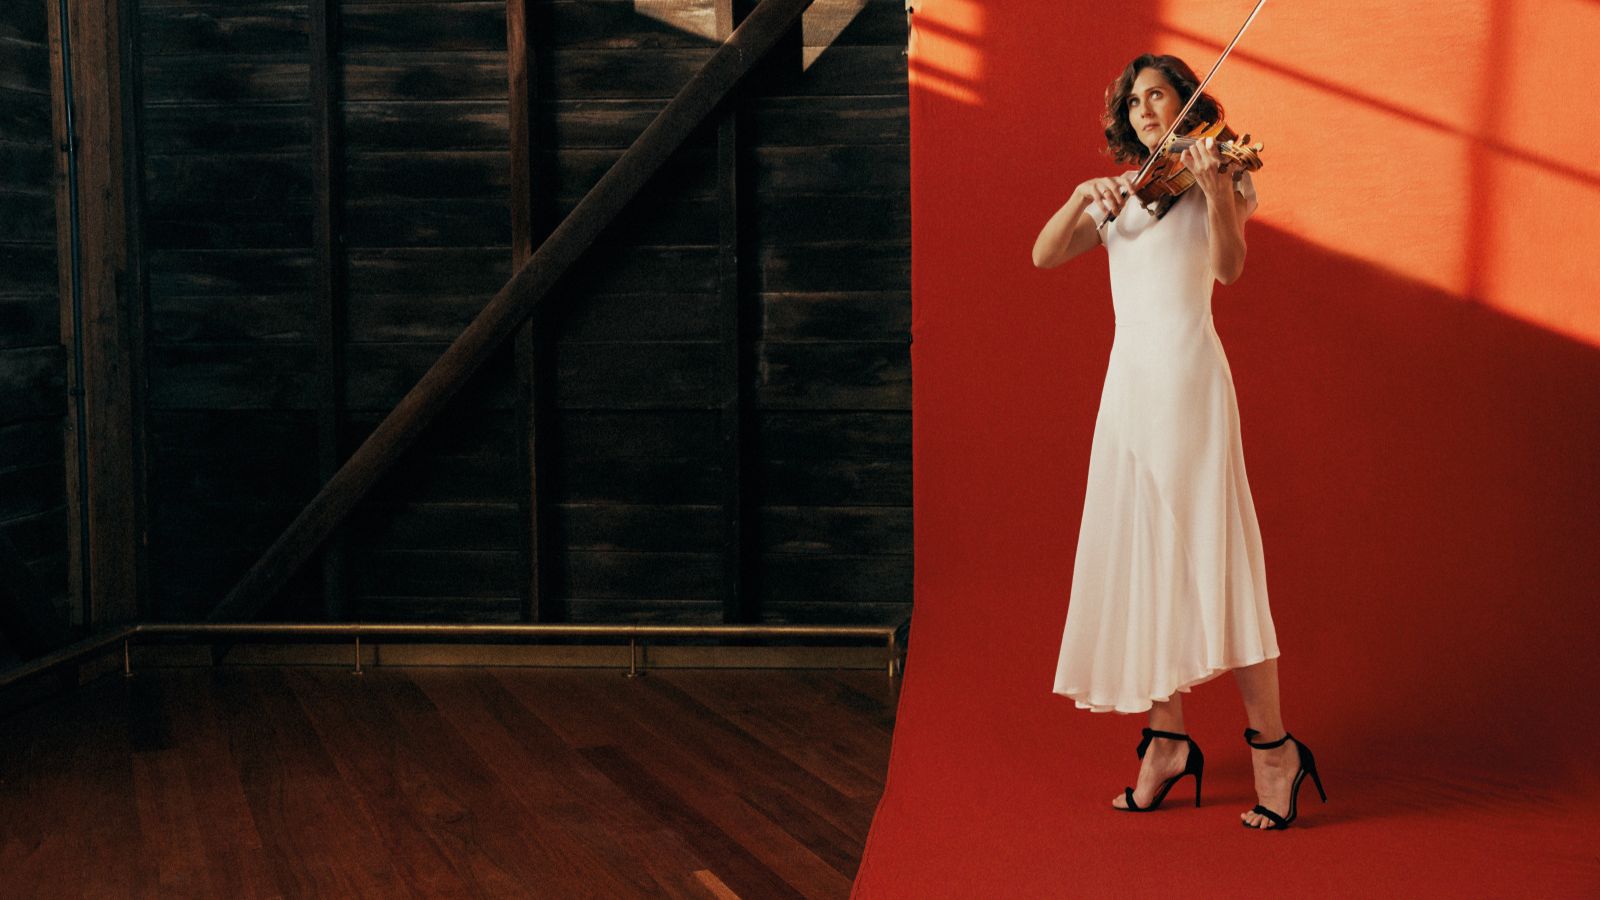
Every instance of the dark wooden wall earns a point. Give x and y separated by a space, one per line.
832 252
231 333
33 363
265 340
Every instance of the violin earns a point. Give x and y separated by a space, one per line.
1164 179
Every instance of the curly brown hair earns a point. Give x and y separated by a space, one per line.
1121 140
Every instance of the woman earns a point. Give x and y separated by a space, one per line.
1169 588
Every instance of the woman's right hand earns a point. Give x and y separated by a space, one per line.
1107 193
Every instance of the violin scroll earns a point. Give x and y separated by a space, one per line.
1238 156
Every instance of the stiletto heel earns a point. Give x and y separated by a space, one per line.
1195 765
1308 766
1317 780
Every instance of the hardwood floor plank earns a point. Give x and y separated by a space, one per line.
674 750
714 885
748 874
449 782
380 770
78 791
115 863
827 741
829 842
565 791
457 791
316 839
871 696
39 798
231 847
731 746
165 802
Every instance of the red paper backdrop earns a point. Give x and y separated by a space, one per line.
1416 348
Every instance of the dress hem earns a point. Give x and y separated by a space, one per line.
1209 674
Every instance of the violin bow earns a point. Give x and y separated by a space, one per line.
1178 120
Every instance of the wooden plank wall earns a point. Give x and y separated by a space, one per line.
633 491
833 259
636 479
428 238
640 468
33 398
231 334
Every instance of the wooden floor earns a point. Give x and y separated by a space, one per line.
314 782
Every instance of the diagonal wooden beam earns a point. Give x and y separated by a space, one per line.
523 295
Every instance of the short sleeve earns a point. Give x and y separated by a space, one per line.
1098 217
1246 189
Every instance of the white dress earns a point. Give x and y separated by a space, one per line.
1169 587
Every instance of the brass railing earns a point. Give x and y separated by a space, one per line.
128 635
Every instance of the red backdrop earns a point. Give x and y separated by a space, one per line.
1416 347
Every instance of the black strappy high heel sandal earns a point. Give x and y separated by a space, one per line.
1195 766
1308 766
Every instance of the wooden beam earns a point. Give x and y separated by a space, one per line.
101 308
68 280
523 296
522 86
326 153
740 551
530 223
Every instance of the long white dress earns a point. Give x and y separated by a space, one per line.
1169 586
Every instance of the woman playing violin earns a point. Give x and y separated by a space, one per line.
1169 583
1140 106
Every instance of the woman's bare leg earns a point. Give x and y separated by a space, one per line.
1274 769
1164 757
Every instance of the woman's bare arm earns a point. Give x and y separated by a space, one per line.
1071 230
1224 210
1068 233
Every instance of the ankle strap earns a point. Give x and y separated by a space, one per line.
1150 733
1251 732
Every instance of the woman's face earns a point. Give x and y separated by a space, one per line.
1152 106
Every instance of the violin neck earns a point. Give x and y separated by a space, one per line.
1183 143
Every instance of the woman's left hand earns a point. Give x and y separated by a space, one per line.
1205 162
